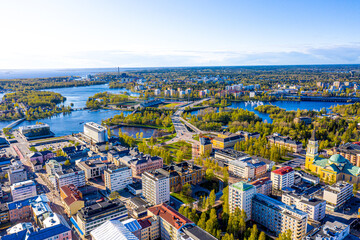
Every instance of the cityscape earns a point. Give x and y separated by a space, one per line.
155 132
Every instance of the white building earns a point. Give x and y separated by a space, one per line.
315 208
23 190
16 173
93 168
112 229
240 196
95 131
117 178
70 177
337 194
52 167
156 187
157 92
242 169
282 178
330 231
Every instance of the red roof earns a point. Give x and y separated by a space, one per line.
260 181
283 170
169 215
144 222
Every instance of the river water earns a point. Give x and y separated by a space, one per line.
65 124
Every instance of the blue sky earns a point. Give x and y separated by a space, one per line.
151 33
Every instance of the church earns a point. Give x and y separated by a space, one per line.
333 169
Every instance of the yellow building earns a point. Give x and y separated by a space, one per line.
205 146
336 168
225 140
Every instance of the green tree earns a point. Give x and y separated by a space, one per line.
114 195
67 163
212 198
285 235
262 236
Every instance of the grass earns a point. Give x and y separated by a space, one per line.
196 137
166 138
174 147
170 105
183 198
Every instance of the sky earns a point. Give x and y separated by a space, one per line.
40 34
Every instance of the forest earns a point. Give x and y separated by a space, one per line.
103 99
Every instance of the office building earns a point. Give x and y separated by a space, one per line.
330 231
205 146
278 217
314 207
70 176
117 178
226 140
337 194
53 167
71 198
282 178
285 142
350 151
16 173
240 196
334 169
95 132
231 155
242 169
23 190
156 187
93 168
91 217
145 163
35 131
263 185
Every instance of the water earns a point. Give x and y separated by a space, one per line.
79 95
147 132
287 105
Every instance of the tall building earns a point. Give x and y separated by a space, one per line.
70 176
23 190
337 194
90 217
282 178
334 169
16 173
314 207
95 132
263 185
156 187
205 146
278 217
240 196
117 178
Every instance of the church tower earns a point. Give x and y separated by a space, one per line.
312 149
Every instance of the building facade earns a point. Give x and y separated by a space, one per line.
75 177
16 173
337 194
23 190
117 178
226 140
285 142
282 178
263 185
156 187
93 168
240 196
145 163
95 132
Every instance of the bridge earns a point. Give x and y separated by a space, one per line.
17 122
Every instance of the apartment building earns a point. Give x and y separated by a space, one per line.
226 140
205 146
90 217
263 185
4 213
117 178
69 176
242 169
71 198
95 132
350 151
16 173
278 217
156 187
330 231
93 168
23 190
170 221
182 173
145 163
21 210
337 194
286 142
150 228
231 155
240 196
314 207
52 167
282 178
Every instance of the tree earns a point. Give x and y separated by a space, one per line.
186 190
262 236
212 198
33 149
225 175
114 195
67 163
209 174
285 235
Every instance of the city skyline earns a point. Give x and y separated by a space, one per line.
48 34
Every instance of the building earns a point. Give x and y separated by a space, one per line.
350 151
171 222
231 155
282 178
337 194
91 217
240 196
112 229
205 146
137 207
150 228
95 132
306 177
226 140
71 198
333 169
23 190
4 213
135 188
16 173
53 167
242 169
314 207
278 217
156 187
145 163
248 135
192 232
21 210
70 176
286 142
93 168
117 178
263 185
36 131
329 231
182 173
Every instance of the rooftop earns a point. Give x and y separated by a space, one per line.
96 126
100 208
197 233
112 229
243 186
283 170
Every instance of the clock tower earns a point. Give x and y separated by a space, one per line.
312 149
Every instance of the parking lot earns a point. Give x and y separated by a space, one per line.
54 146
